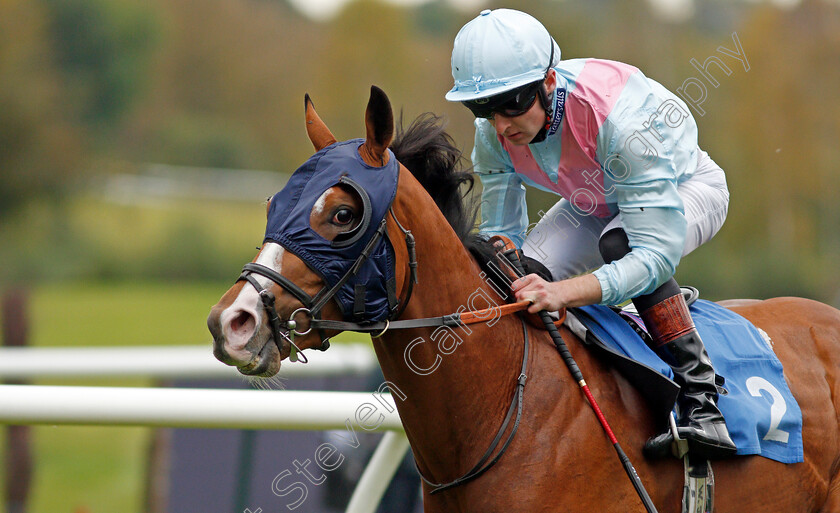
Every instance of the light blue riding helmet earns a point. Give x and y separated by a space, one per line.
498 51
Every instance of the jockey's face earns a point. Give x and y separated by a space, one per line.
521 130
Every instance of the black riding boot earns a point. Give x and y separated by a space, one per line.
677 342
679 345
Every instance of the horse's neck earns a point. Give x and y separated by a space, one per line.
457 381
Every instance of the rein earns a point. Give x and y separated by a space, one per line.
452 320
485 462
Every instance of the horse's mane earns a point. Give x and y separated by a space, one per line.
429 152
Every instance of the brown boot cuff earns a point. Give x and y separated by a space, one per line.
668 320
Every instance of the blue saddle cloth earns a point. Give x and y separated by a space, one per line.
761 413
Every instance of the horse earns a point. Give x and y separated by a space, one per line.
457 384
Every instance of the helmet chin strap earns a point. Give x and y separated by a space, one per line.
544 101
549 113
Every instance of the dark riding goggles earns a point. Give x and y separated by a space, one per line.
509 104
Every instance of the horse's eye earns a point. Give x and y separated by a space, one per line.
343 216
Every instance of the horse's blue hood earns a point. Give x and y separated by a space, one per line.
370 294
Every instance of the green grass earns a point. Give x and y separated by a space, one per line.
89 238
91 469
102 469
230 229
125 314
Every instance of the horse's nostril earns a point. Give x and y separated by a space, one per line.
243 322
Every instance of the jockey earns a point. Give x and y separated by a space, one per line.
637 191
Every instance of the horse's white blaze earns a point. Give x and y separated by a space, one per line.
318 208
247 305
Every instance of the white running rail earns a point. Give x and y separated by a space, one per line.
202 408
165 362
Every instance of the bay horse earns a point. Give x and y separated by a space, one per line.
456 390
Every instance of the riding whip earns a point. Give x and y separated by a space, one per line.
560 344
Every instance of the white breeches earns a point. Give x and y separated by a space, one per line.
568 249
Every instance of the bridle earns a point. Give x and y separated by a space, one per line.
312 306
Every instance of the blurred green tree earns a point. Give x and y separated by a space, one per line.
103 50
220 83
777 126
39 149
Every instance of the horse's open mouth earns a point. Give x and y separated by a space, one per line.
265 364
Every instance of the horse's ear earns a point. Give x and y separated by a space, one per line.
379 121
318 132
